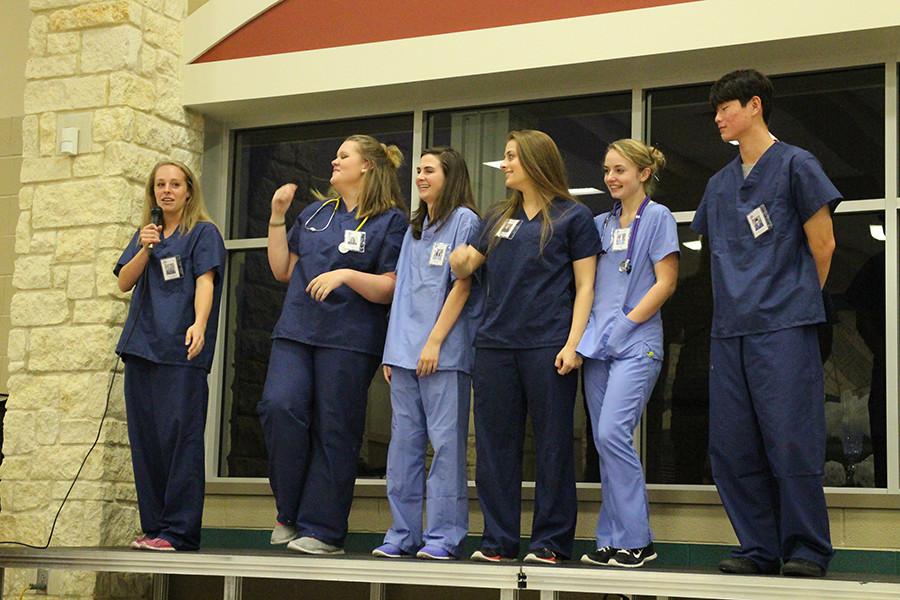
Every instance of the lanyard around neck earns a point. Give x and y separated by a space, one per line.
625 265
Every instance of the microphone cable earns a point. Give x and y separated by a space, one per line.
146 281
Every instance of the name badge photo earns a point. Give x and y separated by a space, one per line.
354 241
759 220
171 268
509 228
438 254
620 238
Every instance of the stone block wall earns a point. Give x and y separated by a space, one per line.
114 68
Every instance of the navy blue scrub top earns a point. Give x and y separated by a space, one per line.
529 295
344 320
161 314
770 282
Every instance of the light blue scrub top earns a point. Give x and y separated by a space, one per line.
421 291
610 333
770 282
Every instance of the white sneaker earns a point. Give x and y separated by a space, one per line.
282 534
310 545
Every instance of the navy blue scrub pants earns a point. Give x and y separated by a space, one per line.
509 384
313 412
767 444
166 410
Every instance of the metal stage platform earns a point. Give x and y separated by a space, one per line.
507 578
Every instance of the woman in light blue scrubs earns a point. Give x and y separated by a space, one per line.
339 258
623 344
167 345
428 359
539 249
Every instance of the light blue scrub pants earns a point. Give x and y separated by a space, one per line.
433 408
617 391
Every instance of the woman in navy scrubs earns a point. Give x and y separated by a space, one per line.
339 258
167 345
428 361
540 249
623 344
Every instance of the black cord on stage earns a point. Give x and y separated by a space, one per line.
112 379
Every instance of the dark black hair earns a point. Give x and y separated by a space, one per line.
742 85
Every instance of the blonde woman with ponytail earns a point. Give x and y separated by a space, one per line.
338 258
539 250
623 344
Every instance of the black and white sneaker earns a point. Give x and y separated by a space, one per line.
542 555
631 558
600 556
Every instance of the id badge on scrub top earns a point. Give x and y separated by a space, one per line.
171 268
508 230
759 220
438 254
620 239
354 241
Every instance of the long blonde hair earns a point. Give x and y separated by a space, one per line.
380 186
194 209
542 162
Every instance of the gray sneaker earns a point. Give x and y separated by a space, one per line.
282 534
310 545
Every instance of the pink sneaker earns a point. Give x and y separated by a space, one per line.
138 542
158 545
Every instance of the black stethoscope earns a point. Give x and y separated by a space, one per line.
625 265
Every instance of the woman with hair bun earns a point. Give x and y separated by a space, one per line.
338 258
623 344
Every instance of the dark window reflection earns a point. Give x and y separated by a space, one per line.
836 115
855 408
264 159
677 417
852 345
581 127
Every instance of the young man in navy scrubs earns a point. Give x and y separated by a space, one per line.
767 218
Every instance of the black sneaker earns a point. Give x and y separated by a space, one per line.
600 556
741 565
798 567
489 555
542 555
631 558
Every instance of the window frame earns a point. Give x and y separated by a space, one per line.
218 166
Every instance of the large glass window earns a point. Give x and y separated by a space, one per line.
263 160
836 115
581 128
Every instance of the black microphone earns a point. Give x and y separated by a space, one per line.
156 217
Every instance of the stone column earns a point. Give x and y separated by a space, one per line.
113 69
